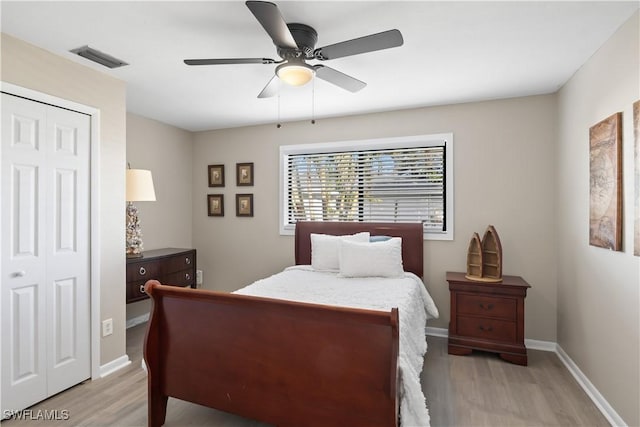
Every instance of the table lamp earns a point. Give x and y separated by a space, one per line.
139 189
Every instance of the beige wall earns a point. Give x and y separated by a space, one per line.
34 68
598 290
520 164
167 152
504 175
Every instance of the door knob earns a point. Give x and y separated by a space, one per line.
20 273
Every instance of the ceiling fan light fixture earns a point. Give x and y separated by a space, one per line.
295 74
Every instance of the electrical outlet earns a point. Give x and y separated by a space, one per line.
107 327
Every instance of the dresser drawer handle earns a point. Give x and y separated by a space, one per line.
187 276
142 289
487 329
187 260
142 271
486 307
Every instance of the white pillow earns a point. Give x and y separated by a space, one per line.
324 249
379 259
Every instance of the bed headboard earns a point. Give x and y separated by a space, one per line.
411 233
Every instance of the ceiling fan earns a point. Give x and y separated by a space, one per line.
295 45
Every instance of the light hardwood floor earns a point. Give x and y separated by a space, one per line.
477 390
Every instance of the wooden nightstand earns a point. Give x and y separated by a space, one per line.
170 266
488 317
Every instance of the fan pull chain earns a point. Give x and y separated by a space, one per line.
313 101
278 125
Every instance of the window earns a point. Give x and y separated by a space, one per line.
407 179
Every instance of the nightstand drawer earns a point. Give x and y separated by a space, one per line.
487 306
178 263
144 270
490 329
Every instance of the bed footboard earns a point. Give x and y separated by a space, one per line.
283 363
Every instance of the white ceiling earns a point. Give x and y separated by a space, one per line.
453 52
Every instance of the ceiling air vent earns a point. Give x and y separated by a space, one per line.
99 57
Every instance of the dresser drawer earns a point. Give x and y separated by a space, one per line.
486 306
144 270
179 278
177 263
135 291
489 329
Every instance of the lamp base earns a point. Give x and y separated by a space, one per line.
139 255
134 233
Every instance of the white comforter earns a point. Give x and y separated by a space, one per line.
408 294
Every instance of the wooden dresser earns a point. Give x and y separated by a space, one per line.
488 317
170 266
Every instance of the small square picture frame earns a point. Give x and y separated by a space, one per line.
215 204
244 174
216 175
244 205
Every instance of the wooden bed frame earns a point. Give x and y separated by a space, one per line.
280 362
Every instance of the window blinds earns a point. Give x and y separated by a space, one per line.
382 185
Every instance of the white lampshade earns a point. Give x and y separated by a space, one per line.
140 186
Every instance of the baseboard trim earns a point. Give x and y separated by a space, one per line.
598 399
607 410
541 345
436 332
114 365
137 320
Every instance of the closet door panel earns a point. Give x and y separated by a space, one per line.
24 368
67 249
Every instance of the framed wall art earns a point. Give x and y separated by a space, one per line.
244 204
216 175
244 174
605 183
636 193
215 204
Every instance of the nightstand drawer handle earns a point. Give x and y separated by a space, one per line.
142 289
486 307
187 276
142 271
487 329
187 260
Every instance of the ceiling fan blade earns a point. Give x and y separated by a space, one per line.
370 43
339 79
271 20
223 61
271 88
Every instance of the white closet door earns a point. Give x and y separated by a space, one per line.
24 368
67 249
44 174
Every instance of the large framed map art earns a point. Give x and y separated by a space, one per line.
605 189
636 193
